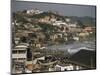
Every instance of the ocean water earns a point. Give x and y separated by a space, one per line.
74 47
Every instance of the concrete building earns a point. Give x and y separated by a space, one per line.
19 57
19 52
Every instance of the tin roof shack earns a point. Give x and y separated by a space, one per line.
85 58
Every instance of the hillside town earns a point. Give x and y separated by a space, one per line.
49 42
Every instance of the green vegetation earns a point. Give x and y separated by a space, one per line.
42 15
88 21
46 27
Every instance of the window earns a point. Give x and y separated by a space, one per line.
20 51
14 51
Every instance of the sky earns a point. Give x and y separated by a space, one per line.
62 9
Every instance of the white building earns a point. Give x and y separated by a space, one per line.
19 53
34 11
19 57
68 67
73 25
68 19
76 38
59 23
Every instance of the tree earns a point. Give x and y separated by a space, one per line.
23 39
80 24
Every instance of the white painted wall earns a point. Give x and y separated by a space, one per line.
19 55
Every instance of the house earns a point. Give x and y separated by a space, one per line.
53 37
88 29
75 29
38 45
46 19
53 20
57 68
76 38
83 34
51 69
68 20
65 67
68 66
72 25
59 23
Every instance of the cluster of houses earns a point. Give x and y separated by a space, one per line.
65 33
25 59
25 62
22 63
33 11
64 28
38 62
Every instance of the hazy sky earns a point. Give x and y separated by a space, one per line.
63 9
